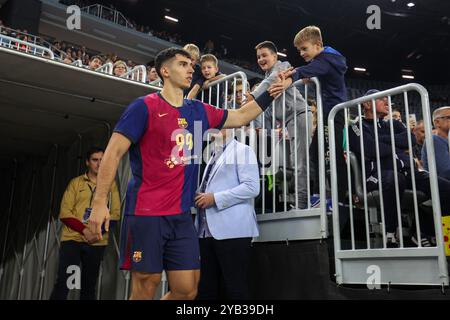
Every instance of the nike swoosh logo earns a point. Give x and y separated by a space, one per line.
162 114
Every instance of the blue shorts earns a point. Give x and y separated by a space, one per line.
156 243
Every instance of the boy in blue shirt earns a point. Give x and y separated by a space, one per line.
329 66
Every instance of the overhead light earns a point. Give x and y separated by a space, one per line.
407 70
411 4
282 54
405 76
171 18
359 69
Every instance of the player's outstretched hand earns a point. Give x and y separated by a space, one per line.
100 214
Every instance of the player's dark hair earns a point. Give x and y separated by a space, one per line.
166 55
93 150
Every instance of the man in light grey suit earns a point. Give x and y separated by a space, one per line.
226 220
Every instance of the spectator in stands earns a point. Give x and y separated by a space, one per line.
95 63
387 167
226 220
78 244
266 54
329 66
396 114
68 60
313 105
86 60
210 73
152 75
119 68
194 51
441 120
232 102
419 133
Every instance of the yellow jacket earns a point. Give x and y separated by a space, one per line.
77 197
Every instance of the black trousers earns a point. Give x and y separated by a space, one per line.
224 264
74 253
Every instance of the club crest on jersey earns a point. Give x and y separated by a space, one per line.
137 256
172 162
182 123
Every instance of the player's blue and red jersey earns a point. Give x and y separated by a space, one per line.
163 151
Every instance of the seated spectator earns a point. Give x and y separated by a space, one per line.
313 105
152 75
120 68
68 60
387 168
441 120
396 114
95 63
86 60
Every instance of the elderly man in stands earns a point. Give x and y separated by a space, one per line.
95 63
441 119
387 158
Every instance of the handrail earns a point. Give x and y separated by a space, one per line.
106 68
20 33
14 44
77 63
101 9
36 39
138 73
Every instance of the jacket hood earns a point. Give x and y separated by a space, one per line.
335 58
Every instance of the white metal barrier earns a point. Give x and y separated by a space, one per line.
77 63
24 46
284 207
373 172
138 73
106 68
106 13
297 222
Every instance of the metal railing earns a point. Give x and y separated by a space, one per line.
286 171
379 152
30 39
77 63
138 73
106 68
108 14
24 46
